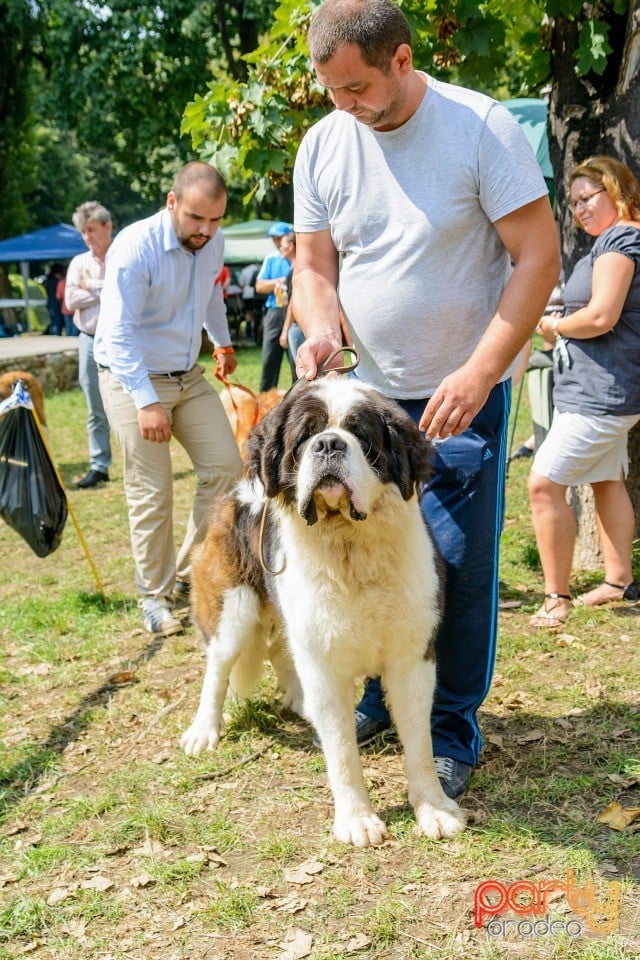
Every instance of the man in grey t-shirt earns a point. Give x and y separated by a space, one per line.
420 210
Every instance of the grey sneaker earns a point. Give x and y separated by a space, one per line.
454 776
158 618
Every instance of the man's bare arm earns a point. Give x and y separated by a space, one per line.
315 300
531 238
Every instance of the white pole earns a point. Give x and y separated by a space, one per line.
24 270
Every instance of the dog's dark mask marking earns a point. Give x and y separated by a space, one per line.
390 440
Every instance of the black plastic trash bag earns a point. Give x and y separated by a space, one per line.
32 500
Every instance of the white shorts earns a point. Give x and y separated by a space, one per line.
580 449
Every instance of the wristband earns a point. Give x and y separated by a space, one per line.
555 323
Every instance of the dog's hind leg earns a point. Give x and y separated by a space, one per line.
409 688
237 630
287 678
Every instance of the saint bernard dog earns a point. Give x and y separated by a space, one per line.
321 561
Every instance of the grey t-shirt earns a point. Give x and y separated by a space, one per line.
411 212
603 376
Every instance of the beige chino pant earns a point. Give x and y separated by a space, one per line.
200 425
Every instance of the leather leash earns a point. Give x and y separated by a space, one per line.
240 386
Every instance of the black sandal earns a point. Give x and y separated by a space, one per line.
630 592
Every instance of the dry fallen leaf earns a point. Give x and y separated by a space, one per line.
150 848
59 895
531 736
304 873
620 781
19 827
515 700
290 904
359 942
297 945
142 880
265 892
618 817
76 928
123 677
99 883
563 723
31 839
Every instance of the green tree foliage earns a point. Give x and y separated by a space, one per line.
122 72
109 82
19 42
251 126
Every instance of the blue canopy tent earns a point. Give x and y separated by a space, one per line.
60 242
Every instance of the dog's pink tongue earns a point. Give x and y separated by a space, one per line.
332 494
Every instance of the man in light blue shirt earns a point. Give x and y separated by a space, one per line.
159 292
270 280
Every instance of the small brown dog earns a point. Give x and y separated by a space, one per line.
33 385
244 408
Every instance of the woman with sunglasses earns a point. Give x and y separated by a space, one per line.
596 392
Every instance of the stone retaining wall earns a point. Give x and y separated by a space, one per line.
55 371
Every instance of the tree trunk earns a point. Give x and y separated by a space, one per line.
595 115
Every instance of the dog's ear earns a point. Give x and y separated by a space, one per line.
261 459
410 453
264 450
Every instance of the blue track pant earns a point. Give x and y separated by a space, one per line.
463 506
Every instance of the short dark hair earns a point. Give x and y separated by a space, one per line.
376 27
202 175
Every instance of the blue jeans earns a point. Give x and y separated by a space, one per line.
295 338
97 423
463 506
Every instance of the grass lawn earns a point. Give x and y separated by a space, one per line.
114 845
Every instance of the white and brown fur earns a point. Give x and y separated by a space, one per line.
33 385
339 468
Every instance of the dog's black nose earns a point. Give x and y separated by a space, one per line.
329 444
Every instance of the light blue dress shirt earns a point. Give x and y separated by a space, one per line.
155 301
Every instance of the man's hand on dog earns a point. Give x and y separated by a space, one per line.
314 351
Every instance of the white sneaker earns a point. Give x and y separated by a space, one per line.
158 618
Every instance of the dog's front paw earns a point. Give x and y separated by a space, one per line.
445 819
362 830
201 735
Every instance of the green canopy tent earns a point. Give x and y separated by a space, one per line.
531 114
247 242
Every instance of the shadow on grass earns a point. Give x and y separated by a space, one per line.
550 778
542 777
24 777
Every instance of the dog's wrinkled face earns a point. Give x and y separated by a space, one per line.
332 446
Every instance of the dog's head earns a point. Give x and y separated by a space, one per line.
333 446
